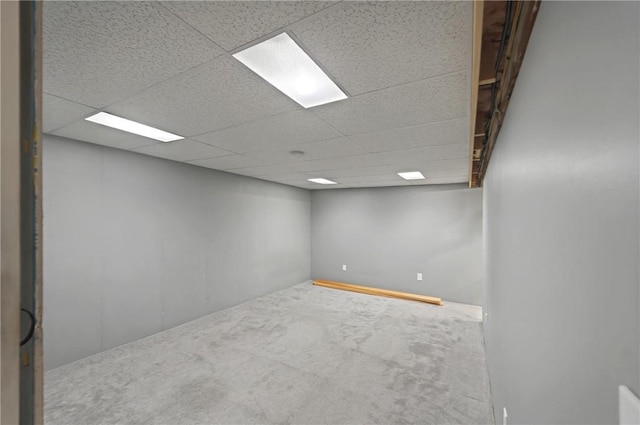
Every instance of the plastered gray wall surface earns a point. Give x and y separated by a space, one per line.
561 221
386 236
136 244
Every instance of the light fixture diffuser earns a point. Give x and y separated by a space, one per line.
287 67
412 175
322 181
129 126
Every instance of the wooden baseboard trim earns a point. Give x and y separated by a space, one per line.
376 291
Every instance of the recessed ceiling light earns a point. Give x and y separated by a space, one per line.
412 175
124 124
322 181
287 67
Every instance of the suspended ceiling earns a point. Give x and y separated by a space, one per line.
404 65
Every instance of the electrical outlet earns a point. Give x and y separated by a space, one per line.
504 416
344 267
419 276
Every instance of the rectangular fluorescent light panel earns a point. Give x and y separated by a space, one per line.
412 175
322 181
281 62
129 126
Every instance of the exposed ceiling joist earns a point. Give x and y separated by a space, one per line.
499 49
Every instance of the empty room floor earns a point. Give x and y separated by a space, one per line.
304 355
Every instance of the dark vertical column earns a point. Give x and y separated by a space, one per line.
10 212
30 213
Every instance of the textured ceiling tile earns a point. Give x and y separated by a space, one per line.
389 159
443 180
435 153
231 24
245 125
101 135
374 178
388 183
355 161
281 130
332 148
315 186
357 172
461 165
301 177
454 172
436 169
369 46
97 52
183 150
227 162
266 170
434 134
288 179
219 94
427 101
58 112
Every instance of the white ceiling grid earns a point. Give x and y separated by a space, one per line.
404 65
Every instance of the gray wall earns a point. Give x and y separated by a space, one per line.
561 221
387 235
136 244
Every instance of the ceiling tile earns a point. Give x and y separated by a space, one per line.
375 178
368 46
227 162
387 183
444 180
183 150
323 149
287 177
357 172
435 169
96 53
313 186
435 173
58 112
435 99
396 158
355 161
433 166
434 153
101 135
266 170
405 65
219 94
231 24
434 134
272 132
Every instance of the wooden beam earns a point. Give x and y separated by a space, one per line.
10 248
524 17
36 161
505 33
376 291
478 11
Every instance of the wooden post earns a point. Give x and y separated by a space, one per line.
10 253
20 212
31 387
